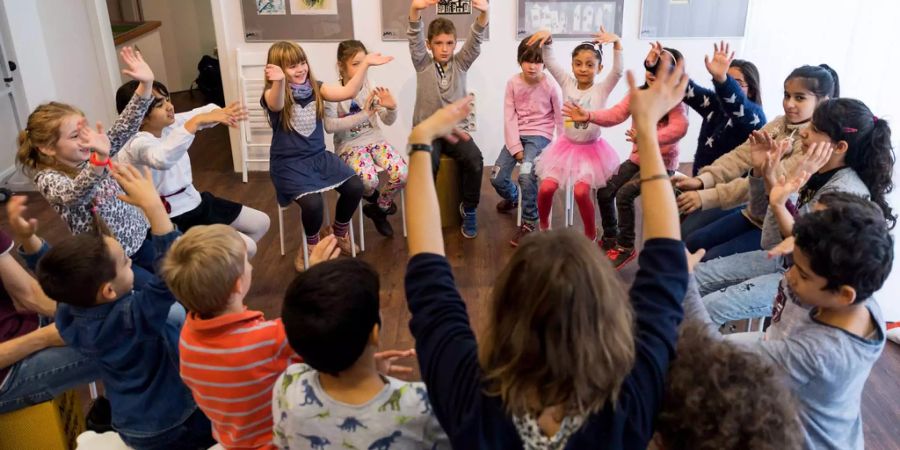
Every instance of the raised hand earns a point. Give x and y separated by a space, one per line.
385 98
605 37
481 5
720 62
631 135
95 139
137 68
419 5
653 103
22 228
816 156
653 55
274 73
761 143
689 202
386 363
325 250
785 186
138 186
771 168
541 37
236 113
377 59
575 112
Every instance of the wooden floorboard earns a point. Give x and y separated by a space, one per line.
475 264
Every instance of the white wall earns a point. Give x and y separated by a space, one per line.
187 34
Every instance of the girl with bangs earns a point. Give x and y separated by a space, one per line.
300 167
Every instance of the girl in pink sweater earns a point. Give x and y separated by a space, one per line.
616 199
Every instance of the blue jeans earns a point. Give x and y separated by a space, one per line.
731 234
502 172
43 375
699 219
740 286
194 433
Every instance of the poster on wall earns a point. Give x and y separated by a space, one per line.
270 7
395 17
576 19
297 20
664 19
313 7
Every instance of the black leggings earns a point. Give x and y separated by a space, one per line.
312 206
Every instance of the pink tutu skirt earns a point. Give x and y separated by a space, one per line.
569 162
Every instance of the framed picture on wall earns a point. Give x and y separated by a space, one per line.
395 17
297 20
575 19
693 19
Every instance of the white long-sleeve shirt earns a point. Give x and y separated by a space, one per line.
168 160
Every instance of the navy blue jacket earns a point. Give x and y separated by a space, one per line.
728 118
448 356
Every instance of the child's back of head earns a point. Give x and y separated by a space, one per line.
203 266
722 397
77 269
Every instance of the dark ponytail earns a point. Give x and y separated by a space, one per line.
821 80
869 149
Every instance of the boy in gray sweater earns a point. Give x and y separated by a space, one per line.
827 331
440 80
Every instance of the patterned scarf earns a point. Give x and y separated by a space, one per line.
301 92
534 439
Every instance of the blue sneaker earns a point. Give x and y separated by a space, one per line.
469 222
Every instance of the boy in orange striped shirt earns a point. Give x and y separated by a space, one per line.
231 356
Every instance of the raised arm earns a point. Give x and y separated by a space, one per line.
129 121
59 189
336 93
388 105
23 289
700 99
334 124
415 34
611 80
274 94
472 47
544 39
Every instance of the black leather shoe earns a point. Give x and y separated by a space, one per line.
379 218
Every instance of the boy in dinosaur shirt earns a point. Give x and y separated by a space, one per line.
337 398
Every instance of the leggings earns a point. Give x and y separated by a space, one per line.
582 197
366 160
312 206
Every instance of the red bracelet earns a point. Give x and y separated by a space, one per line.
95 161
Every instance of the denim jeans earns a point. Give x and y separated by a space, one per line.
193 434
699 219
502 172
43 375
731 234
739 286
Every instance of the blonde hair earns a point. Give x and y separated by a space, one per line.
201 267
561 329
42 130
285 54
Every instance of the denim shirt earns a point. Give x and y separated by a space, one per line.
137 353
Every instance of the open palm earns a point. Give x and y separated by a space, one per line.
720 62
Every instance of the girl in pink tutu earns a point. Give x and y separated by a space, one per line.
616 198
579 156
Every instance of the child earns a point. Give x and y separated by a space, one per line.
722 187
359 142
720 396
568 361
532 112
127 332
827 330
441 79
579 157
162 145
846 148
731 111
300 167
616 199
337 395
55 148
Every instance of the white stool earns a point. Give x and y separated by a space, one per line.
362 230
325 220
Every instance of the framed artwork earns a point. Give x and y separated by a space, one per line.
667 19
575 19
395 17
297 20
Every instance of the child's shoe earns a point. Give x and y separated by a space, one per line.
379 218
506 206
346 247
523 231
469 222
607 244
621 256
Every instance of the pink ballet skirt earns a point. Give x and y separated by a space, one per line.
569 162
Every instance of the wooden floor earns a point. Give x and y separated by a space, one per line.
475 262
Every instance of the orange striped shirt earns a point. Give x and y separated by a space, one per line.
230 364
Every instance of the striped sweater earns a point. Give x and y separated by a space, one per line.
230 363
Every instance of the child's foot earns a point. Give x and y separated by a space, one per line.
346 247
469 227
620 256
379 218
299 259
373 197
523 231
607 244
506 206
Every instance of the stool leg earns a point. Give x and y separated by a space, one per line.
403 209
93 388
281 228
570 205
352 240
362 230
303 245
519 209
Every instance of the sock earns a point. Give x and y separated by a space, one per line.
341 229
586 209
545 201
312 240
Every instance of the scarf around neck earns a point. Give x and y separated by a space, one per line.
302 91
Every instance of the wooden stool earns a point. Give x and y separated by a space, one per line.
52 425
447 186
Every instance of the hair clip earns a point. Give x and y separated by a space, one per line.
849 130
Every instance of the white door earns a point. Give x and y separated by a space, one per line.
13 113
